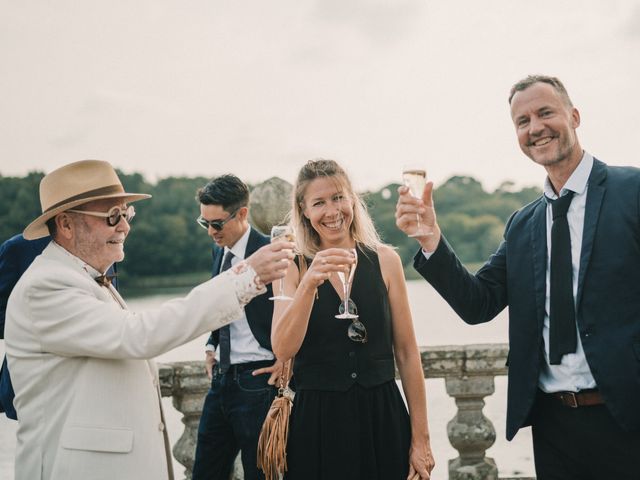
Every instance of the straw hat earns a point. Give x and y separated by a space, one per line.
75 184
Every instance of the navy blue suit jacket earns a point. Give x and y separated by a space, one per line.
608 297
16 254
259 311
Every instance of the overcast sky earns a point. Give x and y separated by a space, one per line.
257 87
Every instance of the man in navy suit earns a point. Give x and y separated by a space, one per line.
239 359
16 254
574 367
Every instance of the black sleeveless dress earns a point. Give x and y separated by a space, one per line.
349 420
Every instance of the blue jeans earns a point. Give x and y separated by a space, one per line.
234 409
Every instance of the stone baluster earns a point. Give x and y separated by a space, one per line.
187 384
470 432
469 372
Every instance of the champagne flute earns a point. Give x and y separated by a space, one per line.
282 233
347 279
415 178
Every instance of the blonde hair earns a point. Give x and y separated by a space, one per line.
361 230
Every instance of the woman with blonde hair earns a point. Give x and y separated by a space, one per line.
348 420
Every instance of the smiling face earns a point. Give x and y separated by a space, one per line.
91 238
328 206
546 126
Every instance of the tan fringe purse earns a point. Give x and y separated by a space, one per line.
272 444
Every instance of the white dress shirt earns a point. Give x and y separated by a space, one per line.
573 373
244 346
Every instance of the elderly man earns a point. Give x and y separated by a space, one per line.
568 271
87 394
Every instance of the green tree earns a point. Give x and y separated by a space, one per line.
166 240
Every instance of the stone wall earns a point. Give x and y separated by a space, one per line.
468 370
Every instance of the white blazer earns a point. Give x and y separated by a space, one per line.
87 394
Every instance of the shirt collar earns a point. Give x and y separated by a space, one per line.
78 261
577 181
240 247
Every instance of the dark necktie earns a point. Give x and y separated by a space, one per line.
225 332
562 317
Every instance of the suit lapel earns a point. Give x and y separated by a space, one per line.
539 249
254 242
118 298
595 195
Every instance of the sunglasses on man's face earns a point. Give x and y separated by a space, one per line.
113 216
217 225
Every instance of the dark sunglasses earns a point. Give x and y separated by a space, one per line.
356 331
113 216
217 225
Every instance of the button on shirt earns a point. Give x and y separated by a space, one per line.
573 372
244 346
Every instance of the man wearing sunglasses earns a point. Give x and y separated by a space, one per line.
87 392
239 360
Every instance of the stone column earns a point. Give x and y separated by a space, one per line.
187 385
470 432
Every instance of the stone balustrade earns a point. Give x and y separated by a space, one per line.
468 371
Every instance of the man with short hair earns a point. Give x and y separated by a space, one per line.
87 392
568 271
238 356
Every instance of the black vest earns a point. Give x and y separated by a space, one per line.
328 359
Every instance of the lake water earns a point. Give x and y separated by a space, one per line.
435 324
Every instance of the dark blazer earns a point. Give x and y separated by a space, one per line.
259 311
16 254
608 297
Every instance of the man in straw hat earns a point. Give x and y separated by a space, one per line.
86 392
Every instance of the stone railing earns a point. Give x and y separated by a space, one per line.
468 371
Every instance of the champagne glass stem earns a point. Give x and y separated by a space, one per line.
345 286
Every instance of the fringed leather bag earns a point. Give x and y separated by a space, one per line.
272 444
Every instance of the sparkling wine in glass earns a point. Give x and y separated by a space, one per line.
416 178
347 279
282 233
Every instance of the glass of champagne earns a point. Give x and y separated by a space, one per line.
282 233
415 177
347 279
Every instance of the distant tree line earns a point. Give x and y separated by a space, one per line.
165 239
